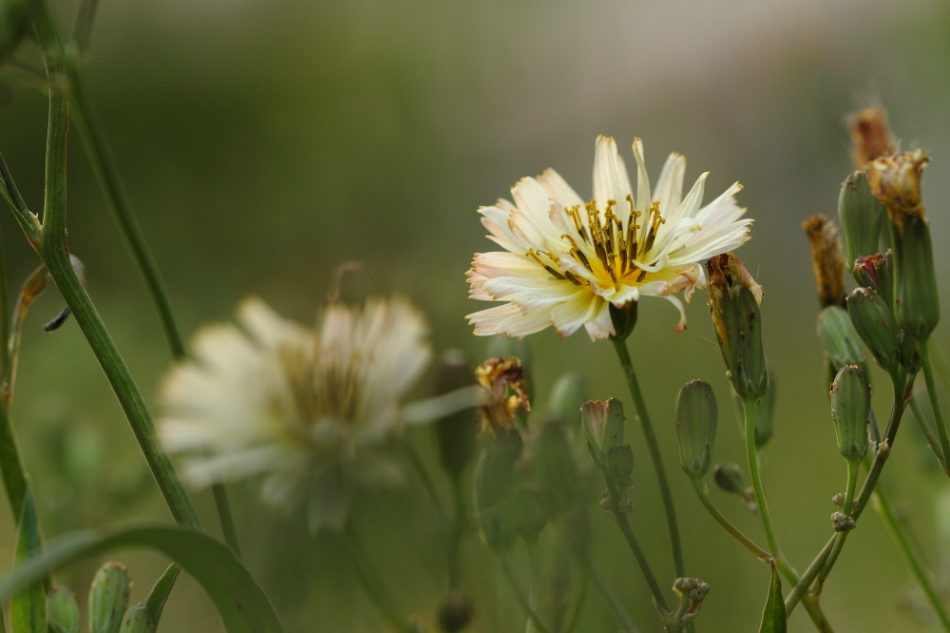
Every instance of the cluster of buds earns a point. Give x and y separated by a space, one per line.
691 592
109 610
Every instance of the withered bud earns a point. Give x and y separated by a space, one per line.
895 181
827 258
503 379
870 137
841 522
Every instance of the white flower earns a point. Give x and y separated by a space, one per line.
566 261
311 411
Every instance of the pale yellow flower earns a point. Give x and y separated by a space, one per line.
566 261
311 411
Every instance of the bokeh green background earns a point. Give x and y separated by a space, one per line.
264 143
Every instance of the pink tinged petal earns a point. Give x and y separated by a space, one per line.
535 203
644 199
681 325
496 221
570 315
688 280
508 319
669 186
610 177
559 190
601 326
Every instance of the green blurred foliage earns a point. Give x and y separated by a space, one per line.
263 143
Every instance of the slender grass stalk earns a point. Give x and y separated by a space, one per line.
720 518
616 607
653 446
525 602
944 437
883 505
533 581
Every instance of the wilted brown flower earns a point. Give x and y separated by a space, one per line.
827 258
871 137
503 379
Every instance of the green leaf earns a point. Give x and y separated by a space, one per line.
773 616
242 604
160 590
28 606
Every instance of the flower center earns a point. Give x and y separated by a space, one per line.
322 384
609 250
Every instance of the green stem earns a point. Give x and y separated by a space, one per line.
883 505
459 522
425 479
84 19
641 559
928 432
519 593
574 617
746 542
371 582
619 611
901 397
11 465
654 447
924 351
852 479
226 518
752 456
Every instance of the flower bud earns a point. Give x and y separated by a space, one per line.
695 426
827 259
567 395
62 610
877 272
861 217
874 323
108 598
765 414
842 522
870 136
728 477
896 183
624 319
455 433
137 619
850 406
494 486
455 612
603 426
734 300
840 342
910 354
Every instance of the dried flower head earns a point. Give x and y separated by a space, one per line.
895 181
870 137
565 261
504 383
310 410
827 258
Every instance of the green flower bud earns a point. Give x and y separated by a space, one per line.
877 272
695 426
567 395
137 619
624 319
455 433
910 354
603 427
861 217
734 300
896 183
553 467
62 610
850 407
619 467
729 478
840 342
874 323
108 598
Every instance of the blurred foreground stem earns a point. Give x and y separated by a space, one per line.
533 618
372 584
626 363
924 350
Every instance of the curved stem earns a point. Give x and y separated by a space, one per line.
654 447
619 611
752 456
641 559
883 505
924 350
532 548
720 518
372 585
839 542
